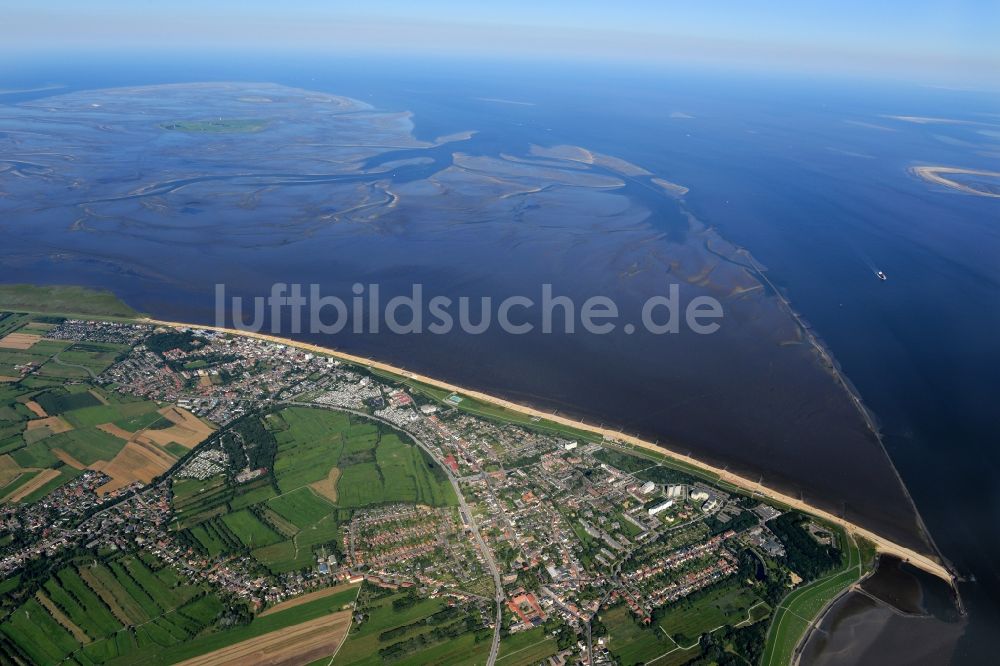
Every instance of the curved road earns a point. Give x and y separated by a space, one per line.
58 360
463 508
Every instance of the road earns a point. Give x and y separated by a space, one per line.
74 365
463 508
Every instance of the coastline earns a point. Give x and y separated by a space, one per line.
922 561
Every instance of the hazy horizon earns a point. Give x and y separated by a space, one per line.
924 42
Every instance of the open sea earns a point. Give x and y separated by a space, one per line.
806 181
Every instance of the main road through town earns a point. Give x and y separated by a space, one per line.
463 507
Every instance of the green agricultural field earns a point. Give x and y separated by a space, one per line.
98 414
362 645
11 583
108 587
10 321
323 531
195 500
360 485
301 507
309 447
38 353
165 597
464 650
149 419
59 400
308 520
725 605
88 445
186 490
95 598
134 590
407 475
75 362
36 454
209 539
399 474
175 449
526 648
249 530
279 524
157 656
283 557
81 605
359 438
66 474
250 494
35 632
17 482
631 642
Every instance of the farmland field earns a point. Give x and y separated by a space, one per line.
260 626
112 611
88 445
249 530
364 644
630 642
360 485
724 605
309 445
97 414
301 507
526 648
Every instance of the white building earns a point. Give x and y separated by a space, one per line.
661 507
647 488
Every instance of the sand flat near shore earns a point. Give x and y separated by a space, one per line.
937 175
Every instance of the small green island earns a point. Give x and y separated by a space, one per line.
217 126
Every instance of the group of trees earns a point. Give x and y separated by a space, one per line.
805 555
732 647
164 342
248 443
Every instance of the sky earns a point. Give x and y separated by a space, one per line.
937 40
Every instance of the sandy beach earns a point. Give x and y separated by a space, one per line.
883 545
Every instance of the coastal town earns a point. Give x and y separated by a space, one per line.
248 473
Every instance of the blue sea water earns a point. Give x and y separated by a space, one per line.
810 176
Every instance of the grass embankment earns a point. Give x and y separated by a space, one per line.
799 610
